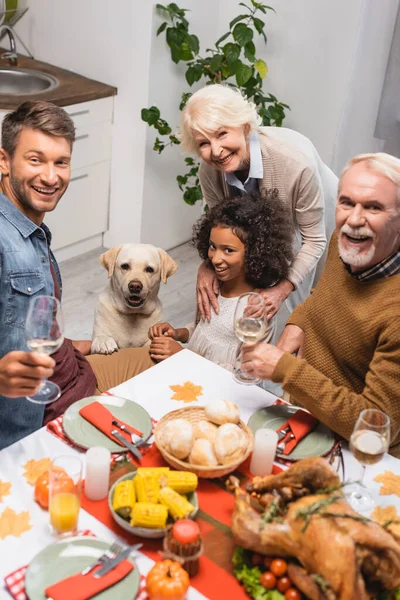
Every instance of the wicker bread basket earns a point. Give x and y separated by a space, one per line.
193 415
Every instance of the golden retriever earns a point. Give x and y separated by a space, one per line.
129 305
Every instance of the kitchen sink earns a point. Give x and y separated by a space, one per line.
22 82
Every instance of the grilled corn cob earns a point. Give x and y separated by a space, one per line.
145 514
124 498
182 482
147 488
177 505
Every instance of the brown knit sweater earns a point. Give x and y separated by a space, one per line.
351 350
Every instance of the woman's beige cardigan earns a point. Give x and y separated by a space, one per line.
292 165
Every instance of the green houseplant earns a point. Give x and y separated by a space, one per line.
232 60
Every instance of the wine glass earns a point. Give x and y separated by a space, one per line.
250 327
368 443
44 328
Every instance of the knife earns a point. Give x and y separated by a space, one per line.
111 564
127 444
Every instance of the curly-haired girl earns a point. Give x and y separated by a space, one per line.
248 243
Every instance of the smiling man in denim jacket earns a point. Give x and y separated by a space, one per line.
35 160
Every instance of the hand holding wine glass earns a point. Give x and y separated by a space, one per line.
44 329
250 326
368 443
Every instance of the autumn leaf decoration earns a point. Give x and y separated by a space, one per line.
5 489
187 392
391 483
35 468
12 523
388 516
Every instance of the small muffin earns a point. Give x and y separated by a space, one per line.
222 411
183 543
230 443
204 430
177 437
203 454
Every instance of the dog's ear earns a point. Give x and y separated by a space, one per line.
107 260
168 265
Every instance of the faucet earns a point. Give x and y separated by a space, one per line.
11 55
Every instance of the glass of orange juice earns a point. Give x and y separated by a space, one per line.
65 485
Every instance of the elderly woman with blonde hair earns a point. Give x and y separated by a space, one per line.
237 156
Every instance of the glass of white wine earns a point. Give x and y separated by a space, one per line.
368 443
44 327
250 326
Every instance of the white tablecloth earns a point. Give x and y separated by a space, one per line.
151 390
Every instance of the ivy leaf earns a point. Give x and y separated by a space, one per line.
221 39
185 51
151 115
261 68
242 34
191 196
243 73
215 63
161 28
185 97
164 129
225 70
194 43
237 19
189 161
231 53
193 74
259 25
250 52
175 36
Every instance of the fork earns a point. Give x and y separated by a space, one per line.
136 439
108 554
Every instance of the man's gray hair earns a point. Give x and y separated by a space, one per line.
380 162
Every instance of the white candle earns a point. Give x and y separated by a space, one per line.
265 442
97 473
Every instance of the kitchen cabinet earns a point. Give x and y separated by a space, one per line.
82 214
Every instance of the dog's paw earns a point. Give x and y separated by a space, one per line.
104 345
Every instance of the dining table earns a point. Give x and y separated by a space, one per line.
152 390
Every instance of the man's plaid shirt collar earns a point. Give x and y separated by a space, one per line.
388 267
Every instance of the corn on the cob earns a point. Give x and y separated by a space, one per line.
182 482
156 471
147 488
145 514
177 505
124 498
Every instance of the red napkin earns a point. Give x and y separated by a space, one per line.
99 416
300 424
81 587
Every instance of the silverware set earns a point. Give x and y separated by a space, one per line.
110 559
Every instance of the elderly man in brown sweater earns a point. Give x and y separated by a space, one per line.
347 333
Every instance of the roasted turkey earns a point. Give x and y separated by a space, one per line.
302 513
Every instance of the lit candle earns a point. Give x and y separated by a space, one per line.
97 473
265 442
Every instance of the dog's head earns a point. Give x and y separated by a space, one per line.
136 271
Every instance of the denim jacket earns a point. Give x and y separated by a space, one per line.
24 273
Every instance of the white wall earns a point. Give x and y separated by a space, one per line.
327 60
166 219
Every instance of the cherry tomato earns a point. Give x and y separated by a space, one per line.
268 580
267 561
292 594
278 567
284 584
257 559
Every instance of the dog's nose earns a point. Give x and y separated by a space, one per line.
135 287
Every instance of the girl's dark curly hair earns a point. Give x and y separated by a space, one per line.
263 224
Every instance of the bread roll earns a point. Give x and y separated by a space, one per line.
177 437
203 454
222 411
204 430
230 443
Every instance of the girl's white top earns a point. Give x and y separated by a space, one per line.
216 339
